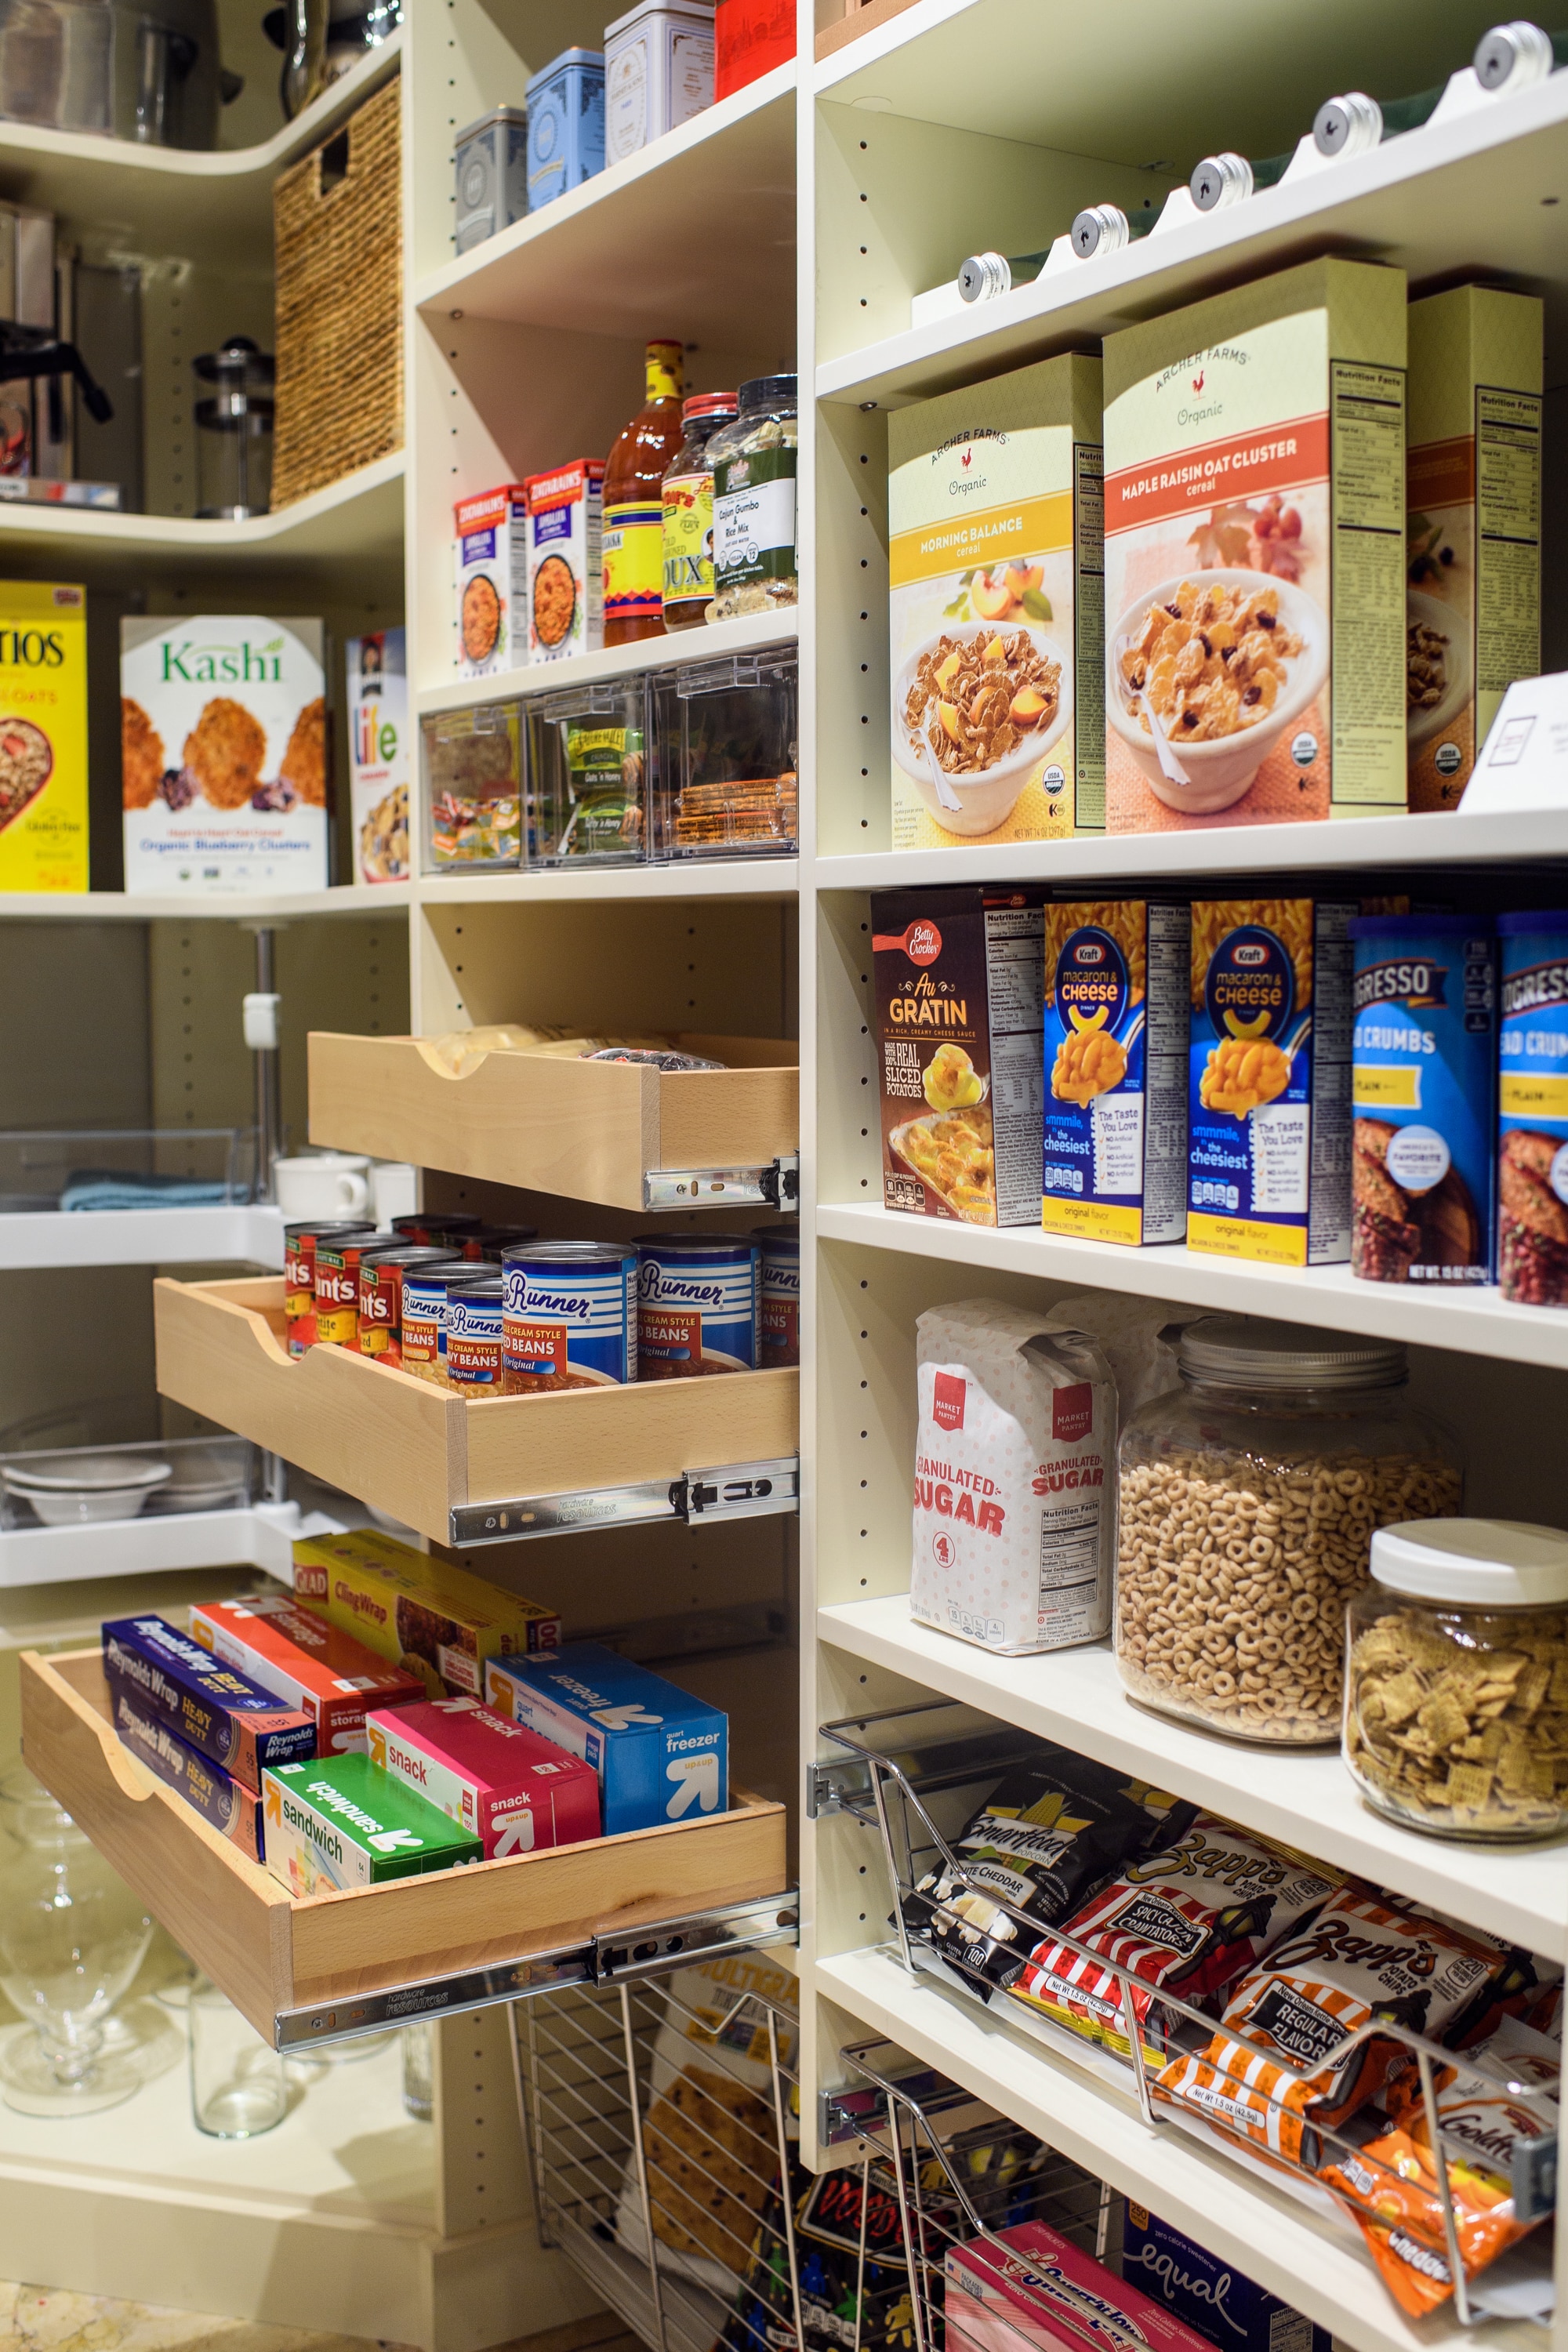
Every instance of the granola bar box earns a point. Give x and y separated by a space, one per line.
1473 525
377 668
996 610
958 979
1268 1080
1254 554
43 736
424 1614
224 754
1532 1108
1115 1137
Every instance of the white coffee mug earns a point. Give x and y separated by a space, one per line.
322 1185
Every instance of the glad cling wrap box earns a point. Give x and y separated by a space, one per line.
1254 545
659 1754
1268 1080
1532 1109
1116 1097
1034 2288
426 1615
996 607
1013 1530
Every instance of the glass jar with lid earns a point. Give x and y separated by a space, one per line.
1457 1679
688 498
753 462
1248 1498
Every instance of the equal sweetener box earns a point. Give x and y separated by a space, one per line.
234 1811
1042 2292
427 1615
327 1675
1208 2295
219 1711
496 1778
346 1822
659 1754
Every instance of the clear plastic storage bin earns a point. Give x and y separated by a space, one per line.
589 751
473 769
729 737
43 1170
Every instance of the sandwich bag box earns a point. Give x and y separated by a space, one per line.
224 754
1473 476
378 755
996 610
43 736
306 1663
1254 539
1115 1139
659 1754
958 979
517 1793
427 1615
345 1823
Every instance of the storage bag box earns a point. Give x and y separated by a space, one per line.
345 1823
233 1810
329 1677
218 1710
661 1755
517 1793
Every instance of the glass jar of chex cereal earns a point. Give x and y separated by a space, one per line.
1457 1683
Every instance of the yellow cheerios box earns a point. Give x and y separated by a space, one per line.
43 736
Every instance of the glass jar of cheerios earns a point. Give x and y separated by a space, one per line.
1249 1496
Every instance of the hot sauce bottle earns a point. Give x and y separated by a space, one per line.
634 507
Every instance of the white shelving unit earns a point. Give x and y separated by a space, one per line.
263 1536
247 1234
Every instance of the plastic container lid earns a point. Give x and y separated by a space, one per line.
709 404
1245 1352
770 392
1489 1563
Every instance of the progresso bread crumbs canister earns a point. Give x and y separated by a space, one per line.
697 1305
778 1314
381 1272
472 1336
424 1334
299 1273
1532 1109
569 1316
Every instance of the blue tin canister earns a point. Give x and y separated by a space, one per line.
566 125
569 1316
698 1301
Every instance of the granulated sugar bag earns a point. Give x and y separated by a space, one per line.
1131 1335
1014 1519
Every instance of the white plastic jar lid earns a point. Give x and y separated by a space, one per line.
1489 1563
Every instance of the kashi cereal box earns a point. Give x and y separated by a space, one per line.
1254 536
224 754
1268 1080
1115 1143
997 610
1473 525
43 736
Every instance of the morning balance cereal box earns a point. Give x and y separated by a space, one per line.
43 736
996 610
1254 554
1115 1156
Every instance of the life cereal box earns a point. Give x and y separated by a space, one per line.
43 736
378 755
1115 1104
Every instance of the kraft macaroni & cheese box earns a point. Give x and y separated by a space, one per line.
221 1712
346 1822
1116 1098
661 1755
306 1663
43 736
426 1615
515 1791
1206 2293
233 1810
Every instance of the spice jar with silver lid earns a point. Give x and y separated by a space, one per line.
1457 1679
753 462
1248 1498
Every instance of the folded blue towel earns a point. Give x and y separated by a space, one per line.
95 1187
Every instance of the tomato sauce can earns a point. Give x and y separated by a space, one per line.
697 1305
299 1273
778 1313
423 1337
381 1272
570 1316
494 1241
336 1286
427 1228
473 1335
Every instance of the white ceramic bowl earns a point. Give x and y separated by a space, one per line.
1423 725
1222 771
95 1486
988 799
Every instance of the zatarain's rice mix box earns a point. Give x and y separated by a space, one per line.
1115 1104
43 736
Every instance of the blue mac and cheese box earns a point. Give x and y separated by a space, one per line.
1208 2295
221 1714
1114 1161
661 1755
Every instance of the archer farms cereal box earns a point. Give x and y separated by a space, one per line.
1254 545
1115 1048
43 736
224 754
378 755
996 610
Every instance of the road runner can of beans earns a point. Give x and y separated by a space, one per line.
778 1317
1532 1109
570 1316
300 1274
381 1274
472 1336
336 1286
423 1337
697 1305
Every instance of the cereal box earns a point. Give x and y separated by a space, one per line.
958 976
204 1701
997 610
1532 1109
659 1754
427 1615
491 561
515 1791
1423 1077
233 1810
346 1822
566 560
1030 2290
1268 1080
1115 1143
378 755
224 754
1204 2293
1254 526
43 736
309 1664
1473 525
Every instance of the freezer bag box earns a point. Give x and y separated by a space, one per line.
426 1615
307 1664
1115 1141
1206 2293
500 1781
219 1711
1034 2288
234 1811
345 1823
659 1754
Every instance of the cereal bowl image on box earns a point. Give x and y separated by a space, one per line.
996 696
1439 673
1240 634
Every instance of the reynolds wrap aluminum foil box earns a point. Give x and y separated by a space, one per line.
661 1755
218 1710
234 1811
518 1792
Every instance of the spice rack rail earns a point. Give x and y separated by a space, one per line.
431 1458
331 1966
617 1133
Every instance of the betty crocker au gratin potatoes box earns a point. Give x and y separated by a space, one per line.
43 736
1255 554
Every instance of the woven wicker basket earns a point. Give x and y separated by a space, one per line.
338 342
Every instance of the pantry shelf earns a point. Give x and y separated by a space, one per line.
1473 1322
425 1454
1300 2251
243 1235
693 877
1305 1798
750 633
353 522
261 1535
126 906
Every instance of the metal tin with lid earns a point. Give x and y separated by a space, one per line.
569 1316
